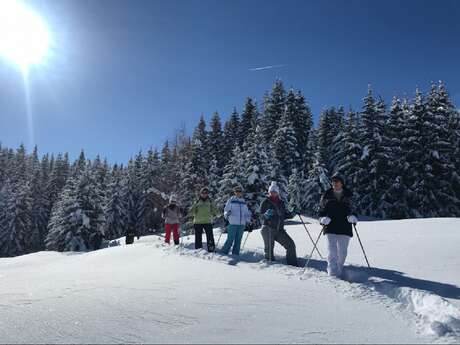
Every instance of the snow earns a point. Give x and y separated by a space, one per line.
151 293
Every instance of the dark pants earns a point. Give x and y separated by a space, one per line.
199 236
129 239
271 235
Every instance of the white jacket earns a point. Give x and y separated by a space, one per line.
237 212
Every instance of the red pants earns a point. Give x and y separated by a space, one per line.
175 229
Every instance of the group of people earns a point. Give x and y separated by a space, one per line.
335 212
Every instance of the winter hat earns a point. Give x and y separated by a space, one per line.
204 189
273 188
172 199
238 189
338 177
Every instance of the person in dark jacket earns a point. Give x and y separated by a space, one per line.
130 234
274 212
337 218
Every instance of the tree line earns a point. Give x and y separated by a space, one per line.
400 159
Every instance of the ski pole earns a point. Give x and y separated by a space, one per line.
245 240
218 240
316 243
308 233
365 256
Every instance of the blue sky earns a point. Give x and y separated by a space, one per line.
124 75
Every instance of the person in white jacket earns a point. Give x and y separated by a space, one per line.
237 213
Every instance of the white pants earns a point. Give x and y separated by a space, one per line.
338 247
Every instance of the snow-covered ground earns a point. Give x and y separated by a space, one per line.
147 292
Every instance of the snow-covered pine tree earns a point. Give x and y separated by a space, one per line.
274 107
438 197
412 146
330 125
231 135
214 178
136 195
317 182
349 153
59 174
249 119
256 171
296 191
78 215
40 204
116 206
373 170
233 176
338 142
15 217
215 144
195 173
80 164
152 188
285 146
394 198
303 123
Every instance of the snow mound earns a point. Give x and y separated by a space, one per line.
437 316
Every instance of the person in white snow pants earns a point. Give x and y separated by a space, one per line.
336 215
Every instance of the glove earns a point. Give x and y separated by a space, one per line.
249 227
227 214
352 219
268 214
324 220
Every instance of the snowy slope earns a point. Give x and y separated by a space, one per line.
147 292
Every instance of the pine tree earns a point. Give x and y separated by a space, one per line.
116 206
196 170
373 170
296 192
231 136
78 214
394 199
438 197
40 203
136 196
256 171
330 125
248 120
233 176
316 184
285 146
274 107
303 124
350 152
15 217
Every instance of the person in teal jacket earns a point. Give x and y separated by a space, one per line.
203 212
237 213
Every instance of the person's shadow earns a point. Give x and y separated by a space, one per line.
364 275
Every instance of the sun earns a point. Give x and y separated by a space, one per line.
24 37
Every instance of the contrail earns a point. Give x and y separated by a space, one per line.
265 68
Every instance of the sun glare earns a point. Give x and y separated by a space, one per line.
24 37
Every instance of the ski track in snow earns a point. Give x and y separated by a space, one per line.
432 315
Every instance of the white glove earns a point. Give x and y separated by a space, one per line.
324 220
352 219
